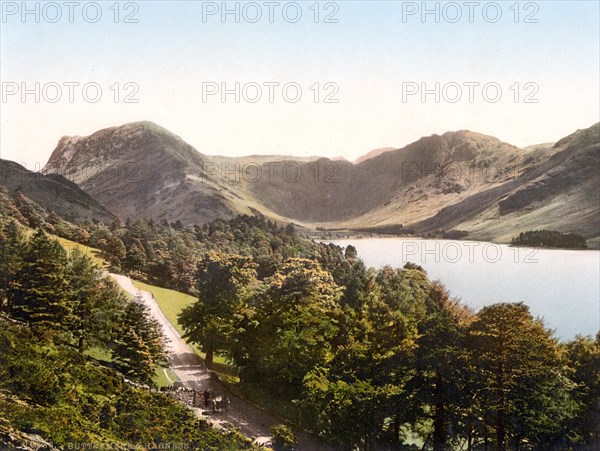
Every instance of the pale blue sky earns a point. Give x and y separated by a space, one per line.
368 54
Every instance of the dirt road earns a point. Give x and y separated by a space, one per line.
193 373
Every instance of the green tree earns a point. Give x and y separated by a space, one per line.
139 343
350 253
115 251
520 386
583 357
296 318
11 259
284 438
437 383
364 385
136 259
348 410
224 282
40 292
83 286
97 303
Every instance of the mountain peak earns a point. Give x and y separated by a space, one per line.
130 144
372 154
140 169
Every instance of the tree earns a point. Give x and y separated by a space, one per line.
284 438
350 253
348 410
364 384
114 250
136 257
395 308
184 268
139 343
296 321
40 291
11 259
520 388
437 381
223 281
583 357
83 284
97 303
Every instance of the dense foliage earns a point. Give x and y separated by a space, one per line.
370 358
65 296
76 403
384 357
167 254
550 238
55 306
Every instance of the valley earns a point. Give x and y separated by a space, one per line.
325 336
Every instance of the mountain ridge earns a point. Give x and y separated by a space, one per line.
459 179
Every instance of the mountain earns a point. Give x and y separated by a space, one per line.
459 180
52 192
141 170
401 186
559 191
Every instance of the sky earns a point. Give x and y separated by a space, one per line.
298 78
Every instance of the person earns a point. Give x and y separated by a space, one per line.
206 398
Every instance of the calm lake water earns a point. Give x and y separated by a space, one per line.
560 286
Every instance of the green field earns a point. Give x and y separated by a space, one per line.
171 302
91 252
164 377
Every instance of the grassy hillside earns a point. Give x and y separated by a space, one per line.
69 245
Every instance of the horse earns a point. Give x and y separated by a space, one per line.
219 403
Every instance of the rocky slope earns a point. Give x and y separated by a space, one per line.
53 192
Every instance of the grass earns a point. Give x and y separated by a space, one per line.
91 252
69 245
162 376
171 302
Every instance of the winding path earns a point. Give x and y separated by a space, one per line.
191 371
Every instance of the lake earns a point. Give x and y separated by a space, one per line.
560 286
